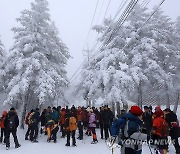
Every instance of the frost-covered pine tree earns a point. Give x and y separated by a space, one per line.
2 57
132 58
2 53
35 72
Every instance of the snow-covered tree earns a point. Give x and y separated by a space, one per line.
2 52
132 60
34 71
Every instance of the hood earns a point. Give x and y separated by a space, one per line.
132 117
4 113
12 113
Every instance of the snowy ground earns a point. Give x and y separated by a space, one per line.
83 147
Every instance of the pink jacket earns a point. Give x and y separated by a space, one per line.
92 120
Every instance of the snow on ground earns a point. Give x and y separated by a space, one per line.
83 146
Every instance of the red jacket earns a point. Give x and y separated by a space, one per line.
2 119
27 118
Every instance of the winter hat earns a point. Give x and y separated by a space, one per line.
136 110
91 110
12 109
167 110
158 113
157 108
146 107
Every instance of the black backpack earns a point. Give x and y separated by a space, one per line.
12 124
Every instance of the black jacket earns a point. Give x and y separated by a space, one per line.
7 119
172 117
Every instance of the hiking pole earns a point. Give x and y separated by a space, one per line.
112 150
150 148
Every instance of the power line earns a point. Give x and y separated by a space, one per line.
130 4
138 29
91 24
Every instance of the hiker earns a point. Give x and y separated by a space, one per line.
52 129
3 131
34 120
28 124
160 132
131 131
43 121
55 115
92 125
101 125
11 123
106 121
147 119
48 114
80 115
171 119
70 126
62 122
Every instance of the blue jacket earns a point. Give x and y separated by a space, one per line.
134 124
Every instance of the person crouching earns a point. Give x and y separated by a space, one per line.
52 129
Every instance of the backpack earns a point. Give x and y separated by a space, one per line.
12 124
164 129
72 123
31 118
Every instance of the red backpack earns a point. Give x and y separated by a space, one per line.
164 128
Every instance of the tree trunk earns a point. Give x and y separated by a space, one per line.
125 107
113 107
167 97
118 108
176 103
24 112
140 94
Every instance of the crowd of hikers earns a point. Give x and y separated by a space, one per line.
130 129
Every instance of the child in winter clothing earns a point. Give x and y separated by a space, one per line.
52 129
160 132
92 125
70 126
2 126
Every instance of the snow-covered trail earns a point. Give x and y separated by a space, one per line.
83 146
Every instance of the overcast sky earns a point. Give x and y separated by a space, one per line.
73 19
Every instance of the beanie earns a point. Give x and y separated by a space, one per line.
12 109
136 110
158 113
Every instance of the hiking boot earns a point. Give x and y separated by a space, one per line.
67 144
17 146
48 140
34 141
26 138
79 138
55 141
93 142
7 148
74 145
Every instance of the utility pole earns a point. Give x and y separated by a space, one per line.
86 54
